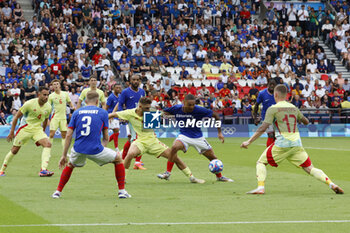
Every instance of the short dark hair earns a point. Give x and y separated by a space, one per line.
42 88
190 97
145 100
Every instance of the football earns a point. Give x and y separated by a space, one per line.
216 166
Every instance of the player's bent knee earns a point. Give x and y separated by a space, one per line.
70 165
15 150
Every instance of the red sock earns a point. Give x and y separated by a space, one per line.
270 141
169 166
67 171
111 137
120 175
115 138
218 175
126 148
138 158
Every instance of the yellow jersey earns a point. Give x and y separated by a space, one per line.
102 98
59 104
284 117
34 114
137 123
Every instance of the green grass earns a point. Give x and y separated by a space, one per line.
91 196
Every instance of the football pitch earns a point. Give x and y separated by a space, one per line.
294 201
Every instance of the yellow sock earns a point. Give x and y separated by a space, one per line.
261 173
187 172
45 158
320 175
7 160
63 142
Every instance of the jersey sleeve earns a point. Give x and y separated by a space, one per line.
205 112
171 110
125 115
67 98
49 108
50 99
299 115
105 119
102 97
121 101
270 116
82 95
72 122
109 101
24 109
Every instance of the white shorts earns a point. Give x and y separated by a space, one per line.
114 124
130 132
200 144
270 129
106 156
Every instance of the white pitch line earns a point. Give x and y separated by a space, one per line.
175 223
316 148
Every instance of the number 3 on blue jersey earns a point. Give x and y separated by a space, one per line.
86 126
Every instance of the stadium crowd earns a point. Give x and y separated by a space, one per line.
216 50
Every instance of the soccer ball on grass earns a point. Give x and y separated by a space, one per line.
216 166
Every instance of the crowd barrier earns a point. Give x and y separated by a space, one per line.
235 130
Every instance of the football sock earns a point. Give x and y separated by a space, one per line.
218 175
120 175
261 173
138 159
67 171
126 149
169 166
7 160
115 138
111 138
63 142
320 175
270 141
51 140
187 172
45 158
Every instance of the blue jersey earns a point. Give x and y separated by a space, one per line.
266 99
198 113
88 123
130 98
112 102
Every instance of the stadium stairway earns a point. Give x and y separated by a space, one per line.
331 56
27 7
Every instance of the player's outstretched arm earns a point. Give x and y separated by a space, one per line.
255 114
63 160
71 106
104 106
13 126
220 135
79 103
116 107
112 115
105 137
45 123
304 120
256 135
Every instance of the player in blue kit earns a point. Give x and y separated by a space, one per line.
191 135
112 101
265 98
129 99
88 123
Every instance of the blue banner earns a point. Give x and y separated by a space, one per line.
315 130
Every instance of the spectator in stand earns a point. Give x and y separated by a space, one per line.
2 119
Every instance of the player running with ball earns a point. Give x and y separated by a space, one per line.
192 136
284 117
146 141
88 122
